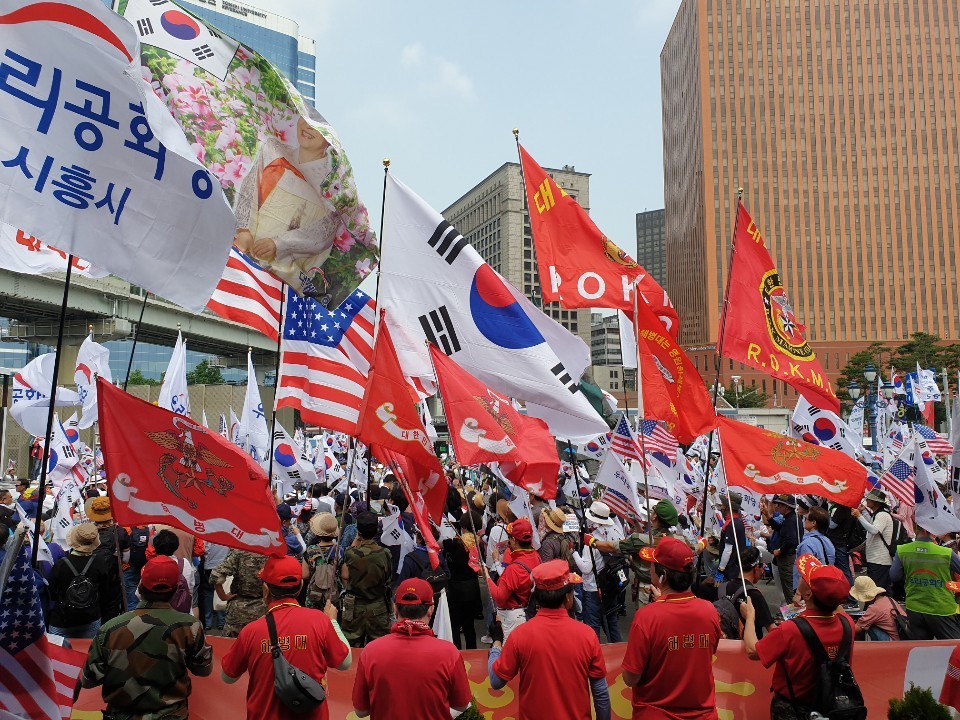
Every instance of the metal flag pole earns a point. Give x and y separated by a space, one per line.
276 385
583 515
717 365
136 335
45 459
640 413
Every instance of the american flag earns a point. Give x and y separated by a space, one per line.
937 443
656 438
249 295
623 442
618 503
898 479
38 675
325 358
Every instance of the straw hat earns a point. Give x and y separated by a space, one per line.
554 518
324 525
865 589
98 509
84 538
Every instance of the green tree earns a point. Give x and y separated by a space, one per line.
205 374
138 378
927 350
853 371
752 397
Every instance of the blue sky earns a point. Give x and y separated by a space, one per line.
438 86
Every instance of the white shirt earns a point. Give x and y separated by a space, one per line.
608 533
496 543
879 531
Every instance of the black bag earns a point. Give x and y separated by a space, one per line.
836 695
294 688
728 608
81 593
897 537
437 578
612 580
901 620
139 539
531 609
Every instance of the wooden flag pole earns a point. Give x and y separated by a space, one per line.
45 459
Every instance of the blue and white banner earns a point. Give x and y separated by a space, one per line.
173 391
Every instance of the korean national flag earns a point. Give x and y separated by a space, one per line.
169 27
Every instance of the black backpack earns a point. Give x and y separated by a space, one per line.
139 539
437 578
612 580
81 593
836 695
531 609
728 608
898 536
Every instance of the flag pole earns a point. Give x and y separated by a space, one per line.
276 383
717 366
640 413
583 518
136 335
383 208
45 459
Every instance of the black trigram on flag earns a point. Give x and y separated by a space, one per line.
278 436
157 3
203 52
144 27
447 242
564 377
293 474
438 327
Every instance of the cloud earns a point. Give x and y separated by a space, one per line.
436 74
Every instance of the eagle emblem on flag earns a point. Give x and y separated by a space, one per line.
787 451
617 255
186 472
782 324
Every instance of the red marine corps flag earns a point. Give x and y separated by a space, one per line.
485 427
389 420
579 265
770 463
761 329
165 468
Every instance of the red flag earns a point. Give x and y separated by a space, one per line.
165 468
673 390
768 462
389 420
485 427
579 265
761 329
409 475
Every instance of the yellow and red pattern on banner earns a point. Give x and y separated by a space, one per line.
883 670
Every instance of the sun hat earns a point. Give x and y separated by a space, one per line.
98 509
84 538
789 500
554 518
599 513
865 589
877 496
324 524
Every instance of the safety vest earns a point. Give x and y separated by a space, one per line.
926 571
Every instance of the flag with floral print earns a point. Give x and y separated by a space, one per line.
280 163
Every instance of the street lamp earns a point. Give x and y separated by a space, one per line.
874 387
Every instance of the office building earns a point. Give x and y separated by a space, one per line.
275 37
651 253
838 120
492 216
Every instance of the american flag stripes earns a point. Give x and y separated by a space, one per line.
657 438
937 443
325 359
249 295
898 480
624 442
618 503
38 675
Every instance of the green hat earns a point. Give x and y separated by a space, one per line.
667 513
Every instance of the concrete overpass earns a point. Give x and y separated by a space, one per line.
113 307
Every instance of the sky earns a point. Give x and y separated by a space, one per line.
438 87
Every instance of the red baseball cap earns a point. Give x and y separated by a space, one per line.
554 575
520 530
160 575
415 591
283 571
671 553
827 582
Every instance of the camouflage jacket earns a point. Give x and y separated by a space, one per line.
370 571
243 566
141 659
633 544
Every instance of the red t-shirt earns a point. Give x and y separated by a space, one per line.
786 647
671 647
512 590
419 673
554 656
309 643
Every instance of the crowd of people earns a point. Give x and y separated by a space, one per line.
545 589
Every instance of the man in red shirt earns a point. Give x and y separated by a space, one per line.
311 641
823 588
410 672
669 658
511 592
558 659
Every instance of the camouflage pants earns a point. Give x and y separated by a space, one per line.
363 621
241 611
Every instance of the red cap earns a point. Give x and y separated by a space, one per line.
520 530
415 591
161 574
673 554
554 575
283 571
827 582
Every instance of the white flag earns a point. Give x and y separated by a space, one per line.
234 431
394 534
623 496
93 361
855 421
928 391
23 253
823 427
933 513
435 286
253 421
173 391
224 429
30 399
203 417
441 619
96 165
520 505
628 341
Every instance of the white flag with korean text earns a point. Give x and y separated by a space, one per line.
93 361
253 431
30 399
173 391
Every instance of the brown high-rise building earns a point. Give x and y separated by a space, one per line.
839 121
